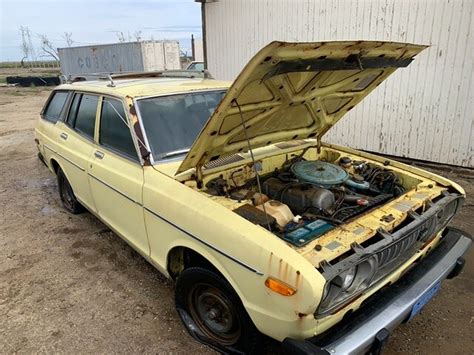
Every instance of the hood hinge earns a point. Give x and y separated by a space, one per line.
199 174
318 144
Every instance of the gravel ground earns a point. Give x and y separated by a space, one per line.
69 285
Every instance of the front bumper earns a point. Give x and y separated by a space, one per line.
367 329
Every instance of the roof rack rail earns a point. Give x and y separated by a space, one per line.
112 77
204 74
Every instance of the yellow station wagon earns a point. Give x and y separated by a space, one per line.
229 190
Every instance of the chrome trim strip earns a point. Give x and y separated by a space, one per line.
62 156
241 263
48 147
114 189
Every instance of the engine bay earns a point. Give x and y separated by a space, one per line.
307 195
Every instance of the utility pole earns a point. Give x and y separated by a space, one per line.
24 45
27 46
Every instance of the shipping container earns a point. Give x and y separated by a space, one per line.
120 57
424 111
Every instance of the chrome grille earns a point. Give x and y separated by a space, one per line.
405 245
387 255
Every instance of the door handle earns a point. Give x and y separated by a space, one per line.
98 154
63 136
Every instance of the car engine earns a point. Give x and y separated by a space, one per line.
305 199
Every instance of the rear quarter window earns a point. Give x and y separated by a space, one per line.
55 106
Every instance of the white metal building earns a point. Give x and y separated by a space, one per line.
424 111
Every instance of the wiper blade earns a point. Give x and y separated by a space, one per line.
173 153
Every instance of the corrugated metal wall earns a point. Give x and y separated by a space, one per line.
424 111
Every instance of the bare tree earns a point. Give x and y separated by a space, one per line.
48 48
68 38
137 35
121 37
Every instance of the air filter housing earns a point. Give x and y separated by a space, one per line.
319 173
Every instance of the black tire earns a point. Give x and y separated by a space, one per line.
213 313
70 203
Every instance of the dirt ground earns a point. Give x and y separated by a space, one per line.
69 285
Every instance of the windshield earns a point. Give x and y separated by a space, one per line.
172 123
196 66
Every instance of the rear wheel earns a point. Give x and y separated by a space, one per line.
68 198
213 313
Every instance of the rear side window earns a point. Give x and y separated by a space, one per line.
71 118
85 115
114 131
55 106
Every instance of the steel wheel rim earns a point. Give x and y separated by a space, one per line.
214 314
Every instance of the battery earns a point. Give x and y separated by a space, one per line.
308 232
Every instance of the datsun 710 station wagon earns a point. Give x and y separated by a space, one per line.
229 190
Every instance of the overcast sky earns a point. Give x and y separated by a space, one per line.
95 21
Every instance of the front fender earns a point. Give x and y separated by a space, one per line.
245 254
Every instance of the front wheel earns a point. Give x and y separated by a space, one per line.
213 313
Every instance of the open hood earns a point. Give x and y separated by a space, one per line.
294 91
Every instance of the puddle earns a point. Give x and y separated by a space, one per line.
48 210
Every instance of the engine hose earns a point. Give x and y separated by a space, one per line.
364 185
354 198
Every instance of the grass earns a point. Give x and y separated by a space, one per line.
43 64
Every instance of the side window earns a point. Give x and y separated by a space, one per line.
52 112
114 131
71 118
85 116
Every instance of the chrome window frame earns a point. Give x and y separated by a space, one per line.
64 121
140 160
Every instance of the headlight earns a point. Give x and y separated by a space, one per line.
345 279
445 216
347 284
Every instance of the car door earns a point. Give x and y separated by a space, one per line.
45 132
76 137
116 176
